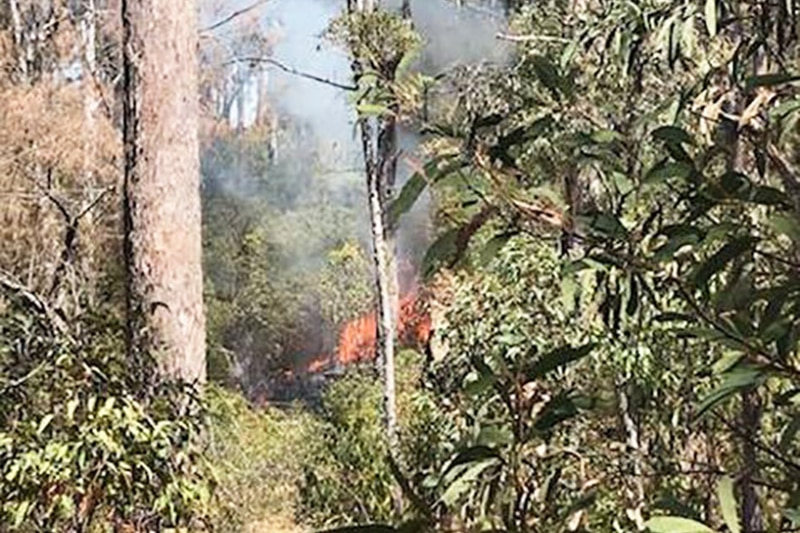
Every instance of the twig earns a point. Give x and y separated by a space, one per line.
291 70
756 354
233 16
32 301
530 38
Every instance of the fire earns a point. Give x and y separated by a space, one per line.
357 340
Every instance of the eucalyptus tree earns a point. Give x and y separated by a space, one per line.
162 186
380 44
656 142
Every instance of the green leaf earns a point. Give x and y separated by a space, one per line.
473 454
767 80
416 184
667 170
556 359
373 110
672 135
72 406
605 224
786 224
408 196
441 252
711 17
547 73
569 293
678 236
21 513
793 515
737 379
721 258
495 436
672 524
789 434
727 501
766 195
605 136
464 482
560 409
786 108
727 362
408 59
494 246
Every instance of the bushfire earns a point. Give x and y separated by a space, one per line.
357 340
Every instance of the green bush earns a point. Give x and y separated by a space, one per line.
82 443
350 480
258 457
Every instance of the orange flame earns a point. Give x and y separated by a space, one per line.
357 340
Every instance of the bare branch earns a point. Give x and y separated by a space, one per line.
31 300
233 16
291 70
91 205
530 38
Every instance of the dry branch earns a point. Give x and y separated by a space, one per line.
291 70
233 16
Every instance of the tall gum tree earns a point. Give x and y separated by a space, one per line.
380 149
162 186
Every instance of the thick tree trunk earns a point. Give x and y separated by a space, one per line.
162 186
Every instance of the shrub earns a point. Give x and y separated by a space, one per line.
82 443
258 457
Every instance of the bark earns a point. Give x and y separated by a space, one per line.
162 187
752 520
387 177
91 105
386 283
750 414
379 143
405 10
637 499
19 41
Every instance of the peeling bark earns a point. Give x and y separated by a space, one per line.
380 147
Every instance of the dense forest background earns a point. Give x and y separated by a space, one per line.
466 266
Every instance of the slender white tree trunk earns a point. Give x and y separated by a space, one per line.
379 140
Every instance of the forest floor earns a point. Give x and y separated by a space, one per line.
275 524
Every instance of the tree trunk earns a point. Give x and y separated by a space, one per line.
752 520
379 140
162 187
405 10
19 41
385 268
91 106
